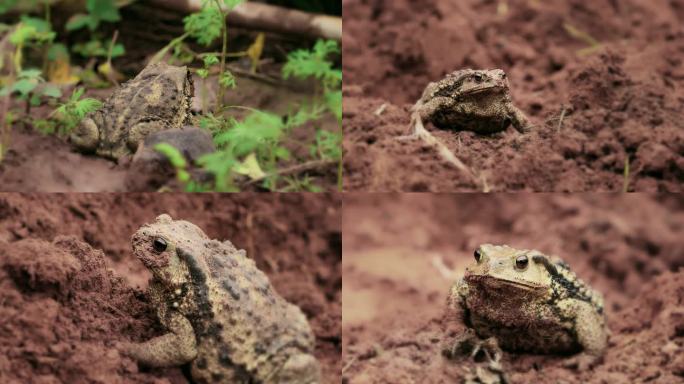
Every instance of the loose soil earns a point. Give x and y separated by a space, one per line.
595 110
402 253
70 287
38 163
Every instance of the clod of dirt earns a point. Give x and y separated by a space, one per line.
67 310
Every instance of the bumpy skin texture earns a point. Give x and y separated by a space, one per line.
528 302
159 98
222 313
473 100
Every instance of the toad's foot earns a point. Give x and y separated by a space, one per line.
582 362
416 127
469 344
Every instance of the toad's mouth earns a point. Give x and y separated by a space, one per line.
485 89
498 283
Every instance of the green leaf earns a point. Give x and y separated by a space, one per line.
204 26
32 73
203 73
79 21
7 5
175 157
24 86
227 80
230 4
85 106
52 91
210 60
257 129
57 51
334 102
103 10
117 50
34 100
40 25
282 153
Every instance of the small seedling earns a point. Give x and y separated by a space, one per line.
70 114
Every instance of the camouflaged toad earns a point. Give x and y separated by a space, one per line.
159 98
526 301
222 314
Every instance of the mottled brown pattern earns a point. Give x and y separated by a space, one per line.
474 100
155 100
222 312
529 302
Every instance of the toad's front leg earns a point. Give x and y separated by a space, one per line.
174 348
423 111
518 119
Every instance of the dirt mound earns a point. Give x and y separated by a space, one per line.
66 303
397 274
603 83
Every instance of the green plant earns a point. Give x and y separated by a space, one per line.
31 87
179 163
68 115
205 26
99 11
316 63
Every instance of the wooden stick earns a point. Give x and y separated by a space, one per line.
269 18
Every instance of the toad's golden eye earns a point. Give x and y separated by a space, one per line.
159 245
478 255
521 262
478 77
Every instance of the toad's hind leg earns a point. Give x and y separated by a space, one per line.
301 368
141 130
591 334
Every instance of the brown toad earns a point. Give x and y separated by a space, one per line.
473 100
159 98
525 301
222 313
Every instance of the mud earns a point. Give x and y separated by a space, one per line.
603 82
402 252
70 288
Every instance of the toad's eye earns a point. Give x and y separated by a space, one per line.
159 245
521 262
478 255
478 77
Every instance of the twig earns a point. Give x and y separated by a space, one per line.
110 73
625 182
266 17
310 165
441 148
560 120
349 364
380 109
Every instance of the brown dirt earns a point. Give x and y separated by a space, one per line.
622 101
626 246
70 288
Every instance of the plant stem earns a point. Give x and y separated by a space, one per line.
158 56
224 50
